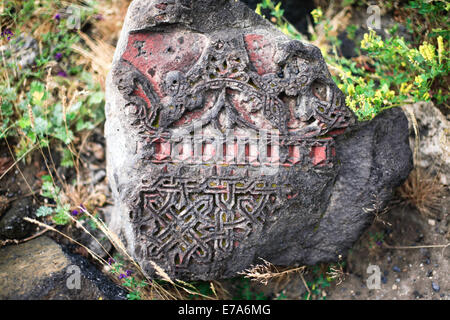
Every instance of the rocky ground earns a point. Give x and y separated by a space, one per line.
418 272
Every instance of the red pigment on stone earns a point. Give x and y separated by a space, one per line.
318 154
162 53
260 52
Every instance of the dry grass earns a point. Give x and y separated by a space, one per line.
423 191
113 14
265 272
99 56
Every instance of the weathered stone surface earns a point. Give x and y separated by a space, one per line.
40 270
226 142
24 51
433 149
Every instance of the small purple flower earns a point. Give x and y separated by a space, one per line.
129 272
57 16
98 17
379 243
58 56
111 261
8 34
74 212
62 74
122 276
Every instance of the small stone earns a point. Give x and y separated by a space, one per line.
397 280
24 49
97 149
435 286
98 176
430 273
431 222
427 261
396 269
394 287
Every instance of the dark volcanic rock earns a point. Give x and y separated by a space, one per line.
41 270
12 225
227 142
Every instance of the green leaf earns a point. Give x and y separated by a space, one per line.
41 125
265 4
96 98
64 135
44 211
67 160
47 178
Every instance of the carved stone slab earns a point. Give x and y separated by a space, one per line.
221 139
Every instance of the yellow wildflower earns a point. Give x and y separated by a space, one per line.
350 102
405 88
441 48
427 51
378 95
317 14
351 89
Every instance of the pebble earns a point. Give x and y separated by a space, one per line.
435 286
396 269
431 222
427 261
425 252
394 287
397 280
98 176
417 294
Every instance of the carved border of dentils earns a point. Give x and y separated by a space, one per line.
279 151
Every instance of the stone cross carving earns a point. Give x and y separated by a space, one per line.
234 130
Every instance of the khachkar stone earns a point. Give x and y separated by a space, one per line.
228 142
